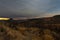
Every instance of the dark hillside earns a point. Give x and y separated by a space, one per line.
31 29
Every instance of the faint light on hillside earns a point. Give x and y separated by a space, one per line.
4 18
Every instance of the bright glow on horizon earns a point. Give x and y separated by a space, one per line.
4 18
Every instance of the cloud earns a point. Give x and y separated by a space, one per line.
34 7
28 8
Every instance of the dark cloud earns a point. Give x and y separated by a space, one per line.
28 8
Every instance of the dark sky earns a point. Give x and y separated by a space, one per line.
29 8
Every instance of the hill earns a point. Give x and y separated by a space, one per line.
47 28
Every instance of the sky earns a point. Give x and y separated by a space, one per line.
29 8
